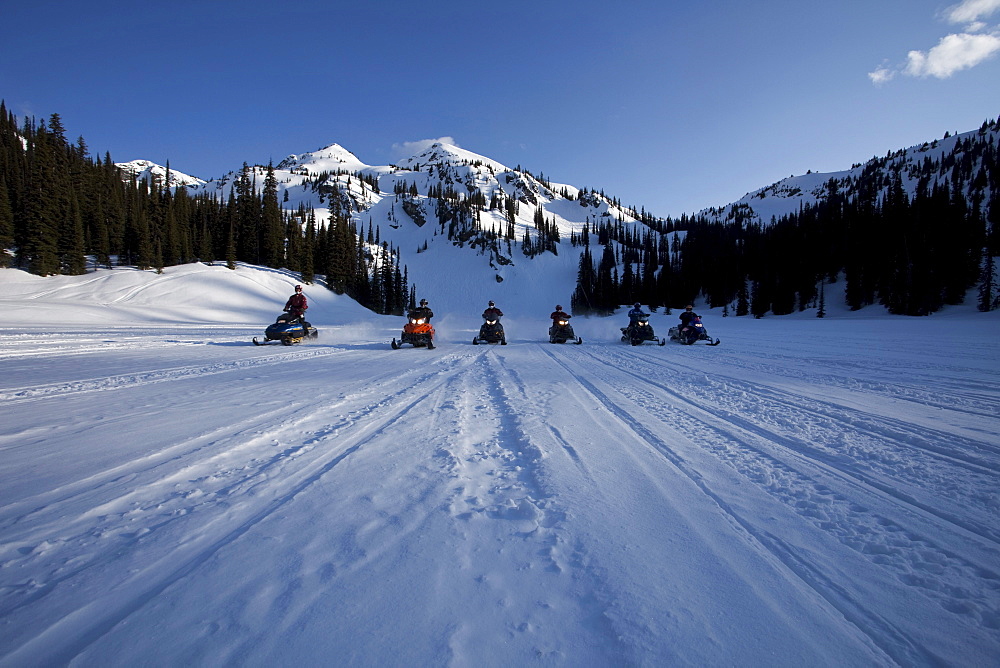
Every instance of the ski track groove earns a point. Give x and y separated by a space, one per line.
902 551
976 398
563 554
139 378
918 439
104 613
885 542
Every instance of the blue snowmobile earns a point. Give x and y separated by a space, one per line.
287 329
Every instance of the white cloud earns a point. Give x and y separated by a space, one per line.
970 11
953 53
411 148
882 75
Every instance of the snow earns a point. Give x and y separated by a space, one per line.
145 170
818 492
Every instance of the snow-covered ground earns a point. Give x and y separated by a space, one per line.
809 493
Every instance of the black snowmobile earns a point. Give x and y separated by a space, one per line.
692 333
287 329
561 332
639 331
491 331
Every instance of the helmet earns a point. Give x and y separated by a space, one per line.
637 305
689 307
423 302
298 288
491 303
558 307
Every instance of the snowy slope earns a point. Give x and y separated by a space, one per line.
409 222
144 170
400 203
811 492
788 195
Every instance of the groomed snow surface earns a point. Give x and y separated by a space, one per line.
812 492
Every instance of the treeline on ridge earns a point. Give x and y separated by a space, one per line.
59 206
911 253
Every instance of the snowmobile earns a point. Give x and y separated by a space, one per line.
694 331
417 332
287 329
491 331
639 331
561 332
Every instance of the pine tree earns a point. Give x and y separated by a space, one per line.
6 223
272 233
71 244
41 211
307 263
582 300
987 285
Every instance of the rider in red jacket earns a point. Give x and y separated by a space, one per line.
297 305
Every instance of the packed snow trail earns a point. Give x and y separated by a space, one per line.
178 495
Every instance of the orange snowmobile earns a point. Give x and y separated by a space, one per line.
417 331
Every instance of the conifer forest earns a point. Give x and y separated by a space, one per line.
912 235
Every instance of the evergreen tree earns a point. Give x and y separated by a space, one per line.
988 296
6 223
582 300
743 300
39 247
71 244
307 263
272 234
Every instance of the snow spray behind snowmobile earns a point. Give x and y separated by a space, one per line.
491 331
639 331
693 332
287 329
417 332
561 332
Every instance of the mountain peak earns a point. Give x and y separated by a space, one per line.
330 158
145 170
440 152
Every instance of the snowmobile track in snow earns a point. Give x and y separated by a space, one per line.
128 380
72 634
973 589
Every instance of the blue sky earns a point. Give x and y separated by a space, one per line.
666 105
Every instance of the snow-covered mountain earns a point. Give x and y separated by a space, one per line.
419 206
958 161
448 207
148 171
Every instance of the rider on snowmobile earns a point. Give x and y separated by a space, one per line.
687 316
492 312
422 311
688 320
559 314
635 315
297 304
